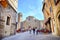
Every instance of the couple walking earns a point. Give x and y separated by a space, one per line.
34 30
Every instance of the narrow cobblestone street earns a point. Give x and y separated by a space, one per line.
27 36
29 19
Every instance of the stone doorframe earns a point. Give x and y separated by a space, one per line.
48 24
57 21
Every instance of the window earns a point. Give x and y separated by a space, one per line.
8 21
50 9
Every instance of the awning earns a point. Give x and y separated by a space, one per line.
47 20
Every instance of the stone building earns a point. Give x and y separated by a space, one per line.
51 10
8 11
32 22
19 21
47 14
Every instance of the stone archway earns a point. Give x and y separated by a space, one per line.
56 22
57 28
48 24
59 19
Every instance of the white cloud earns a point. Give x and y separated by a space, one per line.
31 7
32 13
42 0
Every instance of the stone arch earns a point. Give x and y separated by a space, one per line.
57 14
57 11
58 23
58 17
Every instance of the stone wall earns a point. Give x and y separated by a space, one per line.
4 13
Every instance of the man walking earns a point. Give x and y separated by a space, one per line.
33 30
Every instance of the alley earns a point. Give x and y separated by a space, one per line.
27 36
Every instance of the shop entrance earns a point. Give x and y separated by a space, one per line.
48 25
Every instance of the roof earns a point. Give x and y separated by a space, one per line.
14 4
11 3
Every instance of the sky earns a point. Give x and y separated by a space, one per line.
31 8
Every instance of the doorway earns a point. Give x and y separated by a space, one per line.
49 22
59 19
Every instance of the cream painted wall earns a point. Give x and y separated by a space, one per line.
14 3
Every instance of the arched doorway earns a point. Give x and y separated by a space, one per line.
48 24
57 30
59 19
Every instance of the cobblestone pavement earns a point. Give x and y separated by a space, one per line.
28 36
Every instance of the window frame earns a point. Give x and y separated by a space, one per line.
8 20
